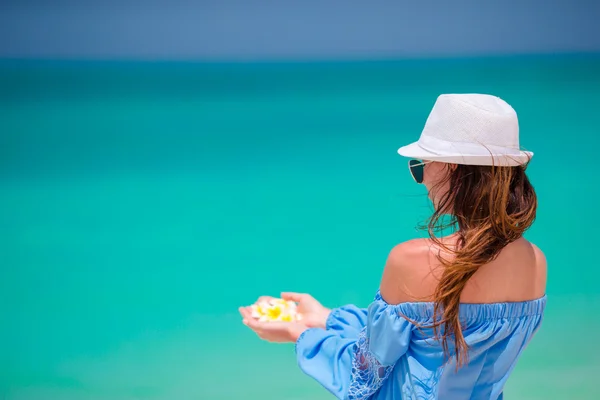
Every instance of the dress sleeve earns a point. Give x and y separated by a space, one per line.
356 367
347 320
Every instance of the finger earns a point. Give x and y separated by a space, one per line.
270 326
274 326
254 324
246 314
298 297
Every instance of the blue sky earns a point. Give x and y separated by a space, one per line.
308 29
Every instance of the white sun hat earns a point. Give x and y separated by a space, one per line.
472 129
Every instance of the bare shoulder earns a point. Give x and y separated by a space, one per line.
412 272
517 274
525 255
541 267
401 253
540 257
409 272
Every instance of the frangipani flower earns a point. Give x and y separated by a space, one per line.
275 310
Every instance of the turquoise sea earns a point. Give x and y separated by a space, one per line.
142 203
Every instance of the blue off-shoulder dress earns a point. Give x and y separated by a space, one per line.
376 353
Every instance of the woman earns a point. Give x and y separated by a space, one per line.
453 314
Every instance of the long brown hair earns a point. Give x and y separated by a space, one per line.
488 207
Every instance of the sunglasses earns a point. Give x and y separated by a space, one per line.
416 168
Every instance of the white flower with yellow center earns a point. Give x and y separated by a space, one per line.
275 310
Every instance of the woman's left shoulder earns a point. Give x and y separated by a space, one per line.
409 249
407 274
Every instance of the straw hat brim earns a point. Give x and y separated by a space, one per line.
414 150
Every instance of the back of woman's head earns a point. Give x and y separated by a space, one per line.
489 207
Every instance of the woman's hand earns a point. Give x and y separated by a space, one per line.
273 331
314 315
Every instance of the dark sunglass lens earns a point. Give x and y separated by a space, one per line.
416 169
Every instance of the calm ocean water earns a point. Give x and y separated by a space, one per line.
141 204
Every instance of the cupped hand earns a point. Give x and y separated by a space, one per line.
273 331
314 315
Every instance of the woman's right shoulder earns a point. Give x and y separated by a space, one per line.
540 257
540 269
